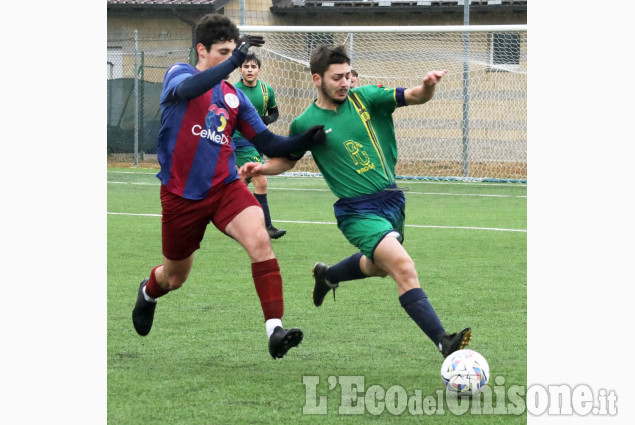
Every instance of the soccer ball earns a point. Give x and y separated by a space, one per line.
465 373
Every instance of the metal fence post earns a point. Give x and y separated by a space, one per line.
351 49
136 98
466 91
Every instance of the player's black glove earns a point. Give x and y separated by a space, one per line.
244 43
273 145
315 135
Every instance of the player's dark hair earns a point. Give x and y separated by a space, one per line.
354 73
213 28
324 55
251 57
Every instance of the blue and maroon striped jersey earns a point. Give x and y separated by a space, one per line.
196 151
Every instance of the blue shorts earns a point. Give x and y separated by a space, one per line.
366 220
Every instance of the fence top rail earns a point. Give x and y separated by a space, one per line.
380 29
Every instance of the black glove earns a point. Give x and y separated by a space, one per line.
244 43
273 145
315 135
265 119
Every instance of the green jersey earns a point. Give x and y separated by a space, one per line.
261 96
360 152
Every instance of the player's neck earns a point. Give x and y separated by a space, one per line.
324 102
247 84
200 66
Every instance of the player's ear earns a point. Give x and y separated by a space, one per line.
201 50
317 80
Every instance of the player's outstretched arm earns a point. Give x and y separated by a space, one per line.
275 146
272 167
202 82
425 92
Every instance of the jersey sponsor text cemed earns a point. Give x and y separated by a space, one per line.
221 139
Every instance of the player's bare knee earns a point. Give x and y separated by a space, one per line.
259 248
404 268
260 184
371 269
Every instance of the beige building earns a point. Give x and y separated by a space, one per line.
175 18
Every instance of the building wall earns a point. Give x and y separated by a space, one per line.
257 12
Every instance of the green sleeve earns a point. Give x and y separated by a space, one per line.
292 129
381 99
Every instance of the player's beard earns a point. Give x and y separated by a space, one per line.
331 99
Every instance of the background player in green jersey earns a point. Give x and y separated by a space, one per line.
358 164
354 78
263 98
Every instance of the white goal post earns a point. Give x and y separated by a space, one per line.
475 128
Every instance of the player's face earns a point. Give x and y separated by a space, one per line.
335 83
218 53
353 81
250 72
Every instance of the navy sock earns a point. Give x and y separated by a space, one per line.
347 269
416 304
262 198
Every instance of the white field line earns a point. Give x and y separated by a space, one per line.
408 192
401 182
333 223
140 184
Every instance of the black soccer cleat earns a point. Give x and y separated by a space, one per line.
281 340
456 341
143 313
275 233
322 286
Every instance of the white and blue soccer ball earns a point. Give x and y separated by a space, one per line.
465 373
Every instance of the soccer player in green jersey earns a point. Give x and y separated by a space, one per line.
263 98
354 79
358 164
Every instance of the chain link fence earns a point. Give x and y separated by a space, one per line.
475 129
135 69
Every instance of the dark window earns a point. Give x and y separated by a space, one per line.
505 53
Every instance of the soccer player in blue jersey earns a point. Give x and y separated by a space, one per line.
199 179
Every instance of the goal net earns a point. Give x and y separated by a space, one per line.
475 128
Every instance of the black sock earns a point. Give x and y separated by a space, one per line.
347 269
416 304
262 198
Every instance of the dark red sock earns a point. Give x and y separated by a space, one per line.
268 283
153 290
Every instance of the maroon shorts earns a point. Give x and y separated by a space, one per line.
183 221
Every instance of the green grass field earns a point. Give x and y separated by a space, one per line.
206 359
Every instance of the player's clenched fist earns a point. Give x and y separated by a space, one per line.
433 77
